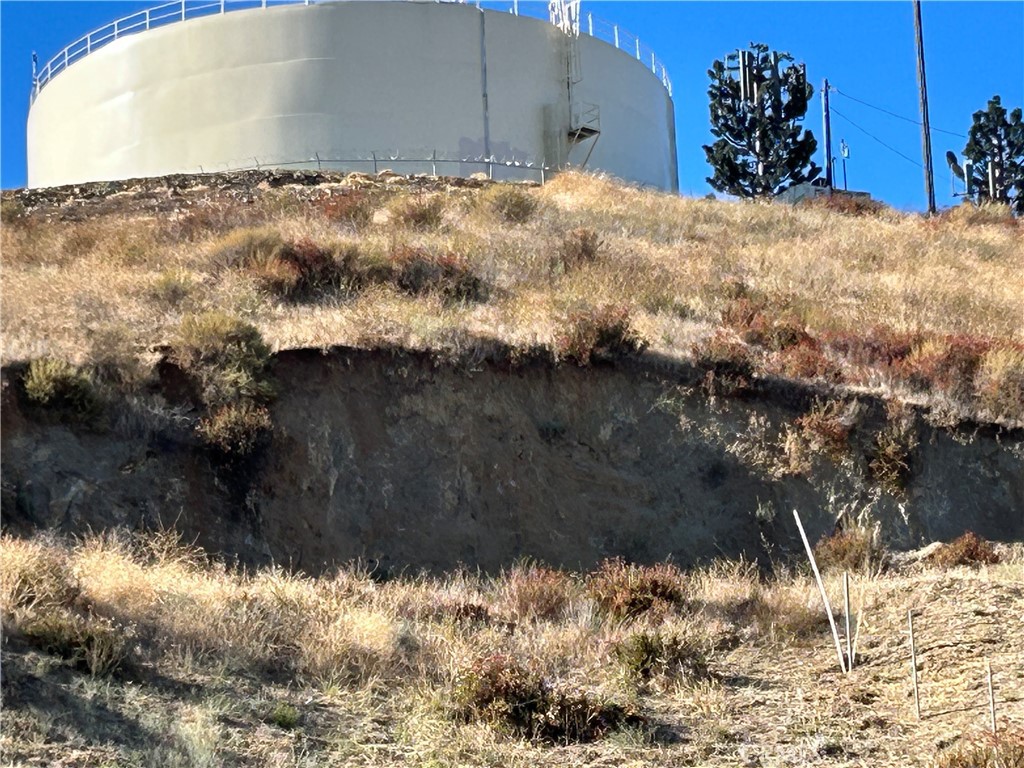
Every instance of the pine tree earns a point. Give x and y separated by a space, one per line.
761 149
997 141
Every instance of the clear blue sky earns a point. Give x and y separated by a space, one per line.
866 49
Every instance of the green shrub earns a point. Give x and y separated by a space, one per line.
226 356
969 549
285 716
509 201
504 694
600 334
62 388
645 655
236 429
625 591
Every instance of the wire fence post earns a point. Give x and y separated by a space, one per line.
318 166
913 665
433 164
374 154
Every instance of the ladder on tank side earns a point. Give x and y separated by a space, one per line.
584 117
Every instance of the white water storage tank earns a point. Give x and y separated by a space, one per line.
417 87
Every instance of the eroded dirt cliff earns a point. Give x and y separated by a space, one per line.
407 461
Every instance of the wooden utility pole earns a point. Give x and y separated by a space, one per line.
926 136
826 119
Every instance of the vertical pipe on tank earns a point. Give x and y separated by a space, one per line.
483 84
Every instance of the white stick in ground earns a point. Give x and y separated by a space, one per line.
913 664
991 696
821 588
856 632
846 611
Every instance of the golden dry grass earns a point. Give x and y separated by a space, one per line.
213 655
103 290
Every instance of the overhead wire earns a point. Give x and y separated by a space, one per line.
893 114
875 138
871 135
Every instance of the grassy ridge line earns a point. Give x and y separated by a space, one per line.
647 664
926 309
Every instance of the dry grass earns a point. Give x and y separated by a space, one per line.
898 304
118 636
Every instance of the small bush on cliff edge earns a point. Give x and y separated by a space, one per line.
226 356
63 388
599 334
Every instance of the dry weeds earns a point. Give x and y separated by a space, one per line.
216 666
895 303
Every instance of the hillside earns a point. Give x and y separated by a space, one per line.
306 469
137 651
923 310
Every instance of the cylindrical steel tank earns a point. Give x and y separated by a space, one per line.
418 87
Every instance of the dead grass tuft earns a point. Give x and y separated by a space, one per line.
530 592
854 549
501 692
598 335
983 750
626 591
969 549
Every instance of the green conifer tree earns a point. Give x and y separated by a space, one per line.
997 139
761 148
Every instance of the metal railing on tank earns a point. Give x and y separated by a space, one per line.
182 10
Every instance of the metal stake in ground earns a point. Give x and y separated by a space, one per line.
821 588
991 696
913 664
846 611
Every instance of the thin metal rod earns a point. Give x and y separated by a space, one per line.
991 696
821 588
913 665
846 611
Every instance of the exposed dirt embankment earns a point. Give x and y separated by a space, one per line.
405 461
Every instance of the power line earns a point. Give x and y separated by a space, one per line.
893 114
871 135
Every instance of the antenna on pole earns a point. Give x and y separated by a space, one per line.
926 136
844 150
